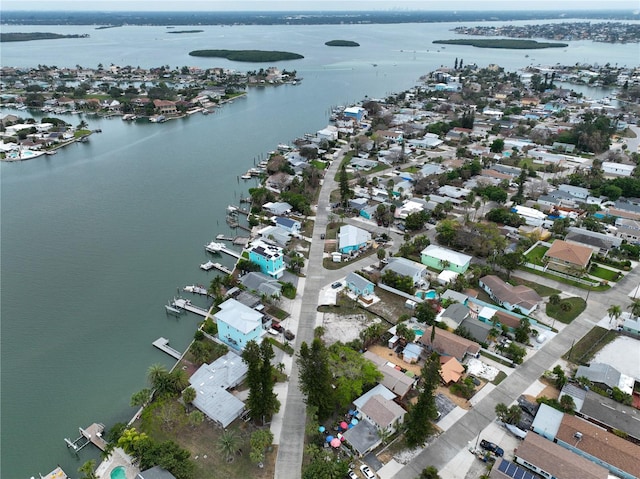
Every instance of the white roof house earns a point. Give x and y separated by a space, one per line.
435 256
611 168
211 382
352 238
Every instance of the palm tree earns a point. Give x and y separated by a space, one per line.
229 444
614 312
156 374
634 307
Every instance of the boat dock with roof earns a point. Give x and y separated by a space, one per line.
185 304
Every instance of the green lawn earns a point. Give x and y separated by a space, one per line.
582 351
541 289
536 254
577 306
604 273
559 279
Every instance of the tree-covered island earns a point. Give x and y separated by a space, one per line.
503 43
187 31
247 55
341 43
25 37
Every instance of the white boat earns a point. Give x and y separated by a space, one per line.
195 289
207 266
246 176
214 247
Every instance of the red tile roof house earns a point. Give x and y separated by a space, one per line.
565 257
449 344
165 107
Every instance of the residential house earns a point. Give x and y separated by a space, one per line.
565 256
212 382
553 461
632 326
406 267
262 284
503 469
288 224
450 344
575 191
393 379
355 112
440 258
383 413
358 203
165 107
412 352
275 234
239 324
359 285
278 208
617 169
451 370
478 330
606 377
156 472
510 297
610 414
363 437
452 295
269 257
600 243
454 315
352 238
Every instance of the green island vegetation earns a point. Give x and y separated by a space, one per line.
187 31
341 43
247 55
503 43
25 37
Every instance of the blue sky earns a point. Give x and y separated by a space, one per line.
266 5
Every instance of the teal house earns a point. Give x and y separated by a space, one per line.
440 258
359 285
238 324
269 257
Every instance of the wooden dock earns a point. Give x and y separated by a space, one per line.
185 304
222 268
231 253
237 240
163 345
90 435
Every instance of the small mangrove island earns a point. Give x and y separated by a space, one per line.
25 37
247 55
503 43
342 43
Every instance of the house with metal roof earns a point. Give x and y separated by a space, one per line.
606 412
450 344
212 382
440 258
351 238
363 437
261 283
239 324
278 208
406 267
454 315
383 413
394 380
478 330
269 257
606 377
359 285
288 224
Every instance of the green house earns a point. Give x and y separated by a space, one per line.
440 258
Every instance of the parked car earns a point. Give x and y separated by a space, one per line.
277 326
368 473
336 285
489 446
352 475
288 335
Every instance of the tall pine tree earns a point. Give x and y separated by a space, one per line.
315 377
418 420
262 402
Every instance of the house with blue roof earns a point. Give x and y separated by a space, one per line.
359 285
288 224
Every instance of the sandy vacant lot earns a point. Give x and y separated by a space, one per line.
344 328
623 354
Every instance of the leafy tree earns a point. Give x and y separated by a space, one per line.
315 376
405 332
324 465
510 261
196 418
351 372
508 415
554 299
416 221
372 334
515 353
429 472
426 312
522 332
567 403
260 440
418 420
229 444
497 146
561 378
403 283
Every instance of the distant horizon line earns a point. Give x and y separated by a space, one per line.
403 10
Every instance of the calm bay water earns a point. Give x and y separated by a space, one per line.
95 239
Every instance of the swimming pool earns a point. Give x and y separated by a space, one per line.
419 332
118 473
431 294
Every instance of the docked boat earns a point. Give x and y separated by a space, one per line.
246 176
129 117
195 290
209 265
214 247
170 308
